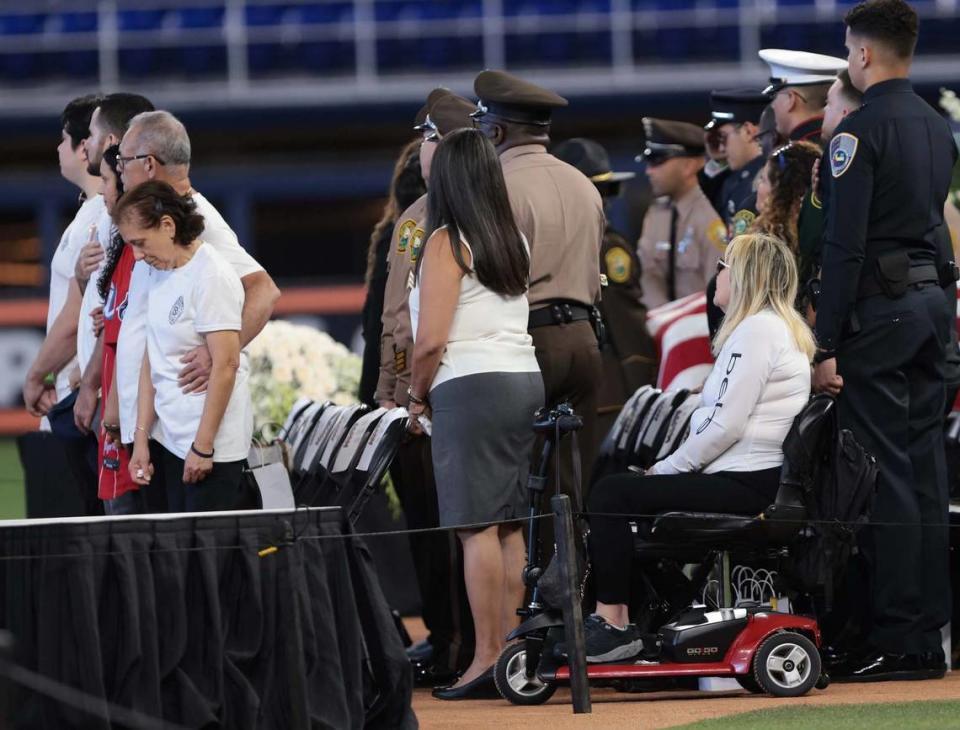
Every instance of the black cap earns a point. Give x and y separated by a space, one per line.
444 112
736 106
512 99
666 138
591 159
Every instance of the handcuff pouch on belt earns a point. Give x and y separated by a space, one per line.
892 273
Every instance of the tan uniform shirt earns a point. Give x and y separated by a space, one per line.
560 212
396 341
700 239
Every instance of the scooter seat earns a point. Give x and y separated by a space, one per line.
711 528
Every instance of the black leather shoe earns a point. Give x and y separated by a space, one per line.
882 667
935 661
481 688
420 652
430 675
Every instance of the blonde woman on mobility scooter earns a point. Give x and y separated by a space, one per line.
732 458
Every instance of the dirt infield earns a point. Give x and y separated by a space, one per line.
659 710
612 709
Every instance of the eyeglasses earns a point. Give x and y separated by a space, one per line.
721 265
122 161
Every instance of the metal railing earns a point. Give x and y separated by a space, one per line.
624 37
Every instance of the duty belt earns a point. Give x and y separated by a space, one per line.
923 274
558 313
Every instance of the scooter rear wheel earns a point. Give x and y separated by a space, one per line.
510 676
787 664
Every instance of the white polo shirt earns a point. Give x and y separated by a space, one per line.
130 346
205 295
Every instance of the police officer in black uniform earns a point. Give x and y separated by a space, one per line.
881 326
735 120
629 354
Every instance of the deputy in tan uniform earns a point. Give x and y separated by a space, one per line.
436 556
628 353
561 214
683 236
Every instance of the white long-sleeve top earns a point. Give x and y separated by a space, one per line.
759 384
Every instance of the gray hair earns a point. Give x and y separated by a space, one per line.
162 135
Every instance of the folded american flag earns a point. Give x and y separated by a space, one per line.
682 337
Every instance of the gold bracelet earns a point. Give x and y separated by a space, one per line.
141 428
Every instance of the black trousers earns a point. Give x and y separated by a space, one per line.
437 559
611 540
893 401
81 456
222 489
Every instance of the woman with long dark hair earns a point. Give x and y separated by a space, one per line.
475 378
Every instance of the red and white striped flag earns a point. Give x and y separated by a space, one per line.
682 337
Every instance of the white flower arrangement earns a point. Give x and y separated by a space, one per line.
950 103
289 361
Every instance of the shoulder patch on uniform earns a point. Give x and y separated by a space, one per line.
619 264
416 243
843 148
717 234
741 222
404 233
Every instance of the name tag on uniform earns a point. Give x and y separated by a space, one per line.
662 245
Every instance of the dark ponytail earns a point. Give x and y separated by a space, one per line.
112 258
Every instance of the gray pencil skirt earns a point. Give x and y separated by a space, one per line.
482 444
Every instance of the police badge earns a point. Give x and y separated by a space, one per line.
843 148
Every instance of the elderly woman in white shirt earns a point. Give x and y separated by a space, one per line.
195 297
732 458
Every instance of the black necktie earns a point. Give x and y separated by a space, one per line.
672 265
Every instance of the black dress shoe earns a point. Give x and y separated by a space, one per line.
420 652
882 667
481 688
430 675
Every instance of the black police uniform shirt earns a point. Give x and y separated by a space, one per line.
890 164
739 199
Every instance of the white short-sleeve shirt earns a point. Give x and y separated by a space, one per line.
62 271
86 339
132 341
205 295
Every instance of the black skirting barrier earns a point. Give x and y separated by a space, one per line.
268 620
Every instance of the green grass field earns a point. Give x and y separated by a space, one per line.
12 502
896 716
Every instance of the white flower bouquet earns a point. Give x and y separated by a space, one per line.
289 361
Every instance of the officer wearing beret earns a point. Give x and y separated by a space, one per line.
437 558
683 237
799 82
881 325
736 116
629 353
561 214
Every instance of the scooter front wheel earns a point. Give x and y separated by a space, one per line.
510 676
787 664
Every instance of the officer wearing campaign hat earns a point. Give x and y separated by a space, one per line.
561 214
628 354
436 556
683 237
799 82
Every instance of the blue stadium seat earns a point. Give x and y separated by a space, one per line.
202 17
264 15
140 19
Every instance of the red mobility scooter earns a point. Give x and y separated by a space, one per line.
764 650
